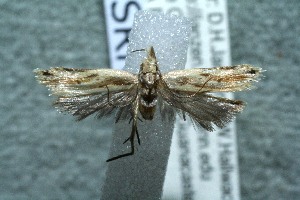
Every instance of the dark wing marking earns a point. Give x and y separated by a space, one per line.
83 92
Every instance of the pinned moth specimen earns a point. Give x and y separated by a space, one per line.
83 92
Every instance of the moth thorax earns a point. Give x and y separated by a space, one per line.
149 66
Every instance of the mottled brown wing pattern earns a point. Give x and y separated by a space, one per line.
218 79
83 92
186 90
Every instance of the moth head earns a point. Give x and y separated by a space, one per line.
150 63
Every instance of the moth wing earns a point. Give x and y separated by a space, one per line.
186 91
83 92
205 110
218 79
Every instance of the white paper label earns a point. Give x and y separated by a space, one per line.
202 165
119 17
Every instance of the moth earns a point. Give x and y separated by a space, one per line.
83 92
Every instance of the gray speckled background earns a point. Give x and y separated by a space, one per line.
46 155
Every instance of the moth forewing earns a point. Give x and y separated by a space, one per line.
83 92
77 82
218 79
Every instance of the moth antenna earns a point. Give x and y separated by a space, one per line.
138 50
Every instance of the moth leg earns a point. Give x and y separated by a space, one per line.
183 115
133 133
132 118
137 135
131 138
108 96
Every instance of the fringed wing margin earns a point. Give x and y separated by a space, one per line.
205 110
83 92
